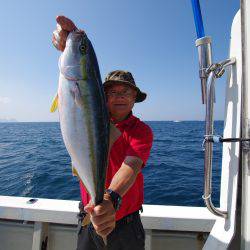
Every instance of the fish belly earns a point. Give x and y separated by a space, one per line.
75 132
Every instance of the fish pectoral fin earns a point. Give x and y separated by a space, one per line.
114 134
54 105
78 96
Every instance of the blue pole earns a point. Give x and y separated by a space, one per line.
198 18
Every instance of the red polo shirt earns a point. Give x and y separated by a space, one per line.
136 140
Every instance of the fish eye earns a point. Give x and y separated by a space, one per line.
82 48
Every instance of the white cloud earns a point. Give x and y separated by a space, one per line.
4 100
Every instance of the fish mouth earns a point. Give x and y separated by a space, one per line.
75 37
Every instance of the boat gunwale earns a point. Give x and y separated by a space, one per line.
158 217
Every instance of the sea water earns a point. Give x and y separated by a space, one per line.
35 163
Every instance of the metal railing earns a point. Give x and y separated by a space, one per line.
208 74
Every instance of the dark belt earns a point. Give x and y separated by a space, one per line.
123 221
128 218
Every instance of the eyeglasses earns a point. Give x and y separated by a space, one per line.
126 93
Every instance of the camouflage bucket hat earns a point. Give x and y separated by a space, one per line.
124 77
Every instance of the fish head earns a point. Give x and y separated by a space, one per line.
72 63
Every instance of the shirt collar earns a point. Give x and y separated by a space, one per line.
124 122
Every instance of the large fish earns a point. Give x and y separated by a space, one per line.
83 114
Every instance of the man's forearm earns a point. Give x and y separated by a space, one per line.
126 175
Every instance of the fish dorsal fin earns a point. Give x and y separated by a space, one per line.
114 134
54 105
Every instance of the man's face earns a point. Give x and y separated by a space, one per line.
120 100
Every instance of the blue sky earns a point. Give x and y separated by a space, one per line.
152 39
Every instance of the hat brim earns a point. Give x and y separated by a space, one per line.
140 97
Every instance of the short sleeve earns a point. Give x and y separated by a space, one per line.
140 142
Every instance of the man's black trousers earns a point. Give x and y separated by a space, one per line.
127 235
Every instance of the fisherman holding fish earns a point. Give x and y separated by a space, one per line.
117 217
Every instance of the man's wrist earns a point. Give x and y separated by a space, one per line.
114 197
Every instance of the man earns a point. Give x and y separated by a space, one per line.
117 217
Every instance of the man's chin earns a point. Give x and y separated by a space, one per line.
120 113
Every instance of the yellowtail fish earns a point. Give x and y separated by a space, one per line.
84 118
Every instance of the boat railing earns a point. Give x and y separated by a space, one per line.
45 212
208 72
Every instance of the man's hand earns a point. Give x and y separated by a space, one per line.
64 27
102 216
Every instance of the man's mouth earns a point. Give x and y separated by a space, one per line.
120 104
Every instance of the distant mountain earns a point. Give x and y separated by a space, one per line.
8 120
